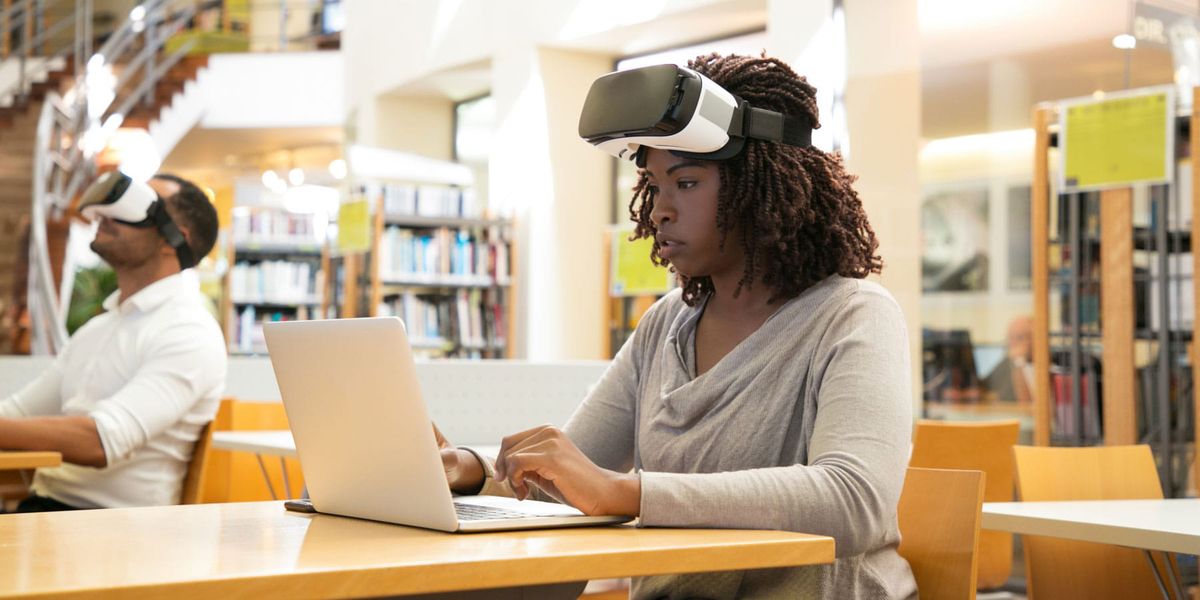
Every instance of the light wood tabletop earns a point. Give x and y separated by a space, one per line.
260 550
28 460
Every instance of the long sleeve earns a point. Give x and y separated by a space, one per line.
40 397
179 370
856 455
603 426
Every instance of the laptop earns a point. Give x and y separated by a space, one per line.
364 438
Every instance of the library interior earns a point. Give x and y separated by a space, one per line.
490 299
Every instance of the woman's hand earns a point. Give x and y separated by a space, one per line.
545 458
463 471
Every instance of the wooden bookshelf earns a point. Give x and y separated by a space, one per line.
1140 348
261 248
489 334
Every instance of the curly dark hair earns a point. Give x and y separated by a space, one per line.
799 215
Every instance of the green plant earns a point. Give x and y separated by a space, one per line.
92 286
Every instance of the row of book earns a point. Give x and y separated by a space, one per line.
277 227
424 200
275 282
1067 413
469 320
247 336
443 254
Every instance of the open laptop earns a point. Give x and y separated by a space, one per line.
350 390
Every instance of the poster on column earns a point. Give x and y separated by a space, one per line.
631 272
1117 139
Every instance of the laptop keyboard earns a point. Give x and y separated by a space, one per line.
473 512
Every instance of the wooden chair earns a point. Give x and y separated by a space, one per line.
939 515
197 468
1057 568
983 446
237 476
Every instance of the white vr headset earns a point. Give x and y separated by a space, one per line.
675 108
118 197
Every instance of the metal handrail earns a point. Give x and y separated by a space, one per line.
62 165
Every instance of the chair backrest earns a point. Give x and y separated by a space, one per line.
1057 568
983 446
939 515
235 476
193 482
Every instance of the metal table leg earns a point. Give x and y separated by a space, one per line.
270 488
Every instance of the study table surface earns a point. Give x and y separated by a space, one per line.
28 460
260 550
1164 525
279 442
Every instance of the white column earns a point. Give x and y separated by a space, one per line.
559 190
883 116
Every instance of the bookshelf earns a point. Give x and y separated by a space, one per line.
438 261
1113 291
277 265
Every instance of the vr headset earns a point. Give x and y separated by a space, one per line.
118 197
677 109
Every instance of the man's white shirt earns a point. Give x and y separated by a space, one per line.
150 372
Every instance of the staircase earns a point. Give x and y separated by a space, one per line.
148 80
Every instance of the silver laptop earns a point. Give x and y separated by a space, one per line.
350 390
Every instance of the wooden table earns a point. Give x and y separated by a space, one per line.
15 461
260 550
1161 525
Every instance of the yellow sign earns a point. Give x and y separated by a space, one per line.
1117 141
354 226
632 273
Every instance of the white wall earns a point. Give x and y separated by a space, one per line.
274 90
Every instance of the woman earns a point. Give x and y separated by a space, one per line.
770 391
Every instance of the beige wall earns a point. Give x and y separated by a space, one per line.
542 55
421 125
883 108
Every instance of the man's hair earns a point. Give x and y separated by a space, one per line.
193 211
796 209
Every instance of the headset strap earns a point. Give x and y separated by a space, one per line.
763 124
170 232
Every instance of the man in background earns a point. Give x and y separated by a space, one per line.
127 398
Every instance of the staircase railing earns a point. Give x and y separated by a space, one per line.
73 127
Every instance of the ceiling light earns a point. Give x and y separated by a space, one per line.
269 178
296 176
1124 41
138 13
337 168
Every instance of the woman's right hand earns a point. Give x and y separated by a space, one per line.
463 471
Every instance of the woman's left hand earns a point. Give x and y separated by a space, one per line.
545 458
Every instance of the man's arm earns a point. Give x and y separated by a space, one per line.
75 436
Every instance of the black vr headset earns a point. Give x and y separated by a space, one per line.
675 108
118 197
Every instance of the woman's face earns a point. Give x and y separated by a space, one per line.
685 216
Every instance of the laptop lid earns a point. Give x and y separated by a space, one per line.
354 405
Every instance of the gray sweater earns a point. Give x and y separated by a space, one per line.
804 426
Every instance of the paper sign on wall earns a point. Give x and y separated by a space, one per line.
354 226
632 273
1117 141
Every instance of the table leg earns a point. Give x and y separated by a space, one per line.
1175 581
1162 587
287 485
270 488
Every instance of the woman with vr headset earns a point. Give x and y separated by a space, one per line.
771 390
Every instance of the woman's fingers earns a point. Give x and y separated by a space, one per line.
517 442
442 442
